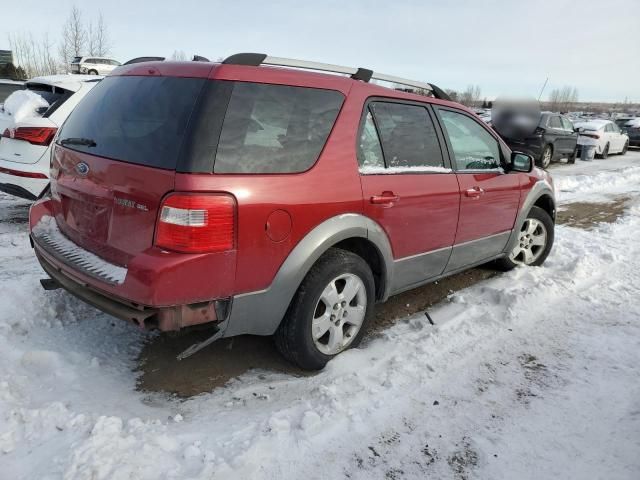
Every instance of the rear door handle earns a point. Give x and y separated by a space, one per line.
385 198
474 192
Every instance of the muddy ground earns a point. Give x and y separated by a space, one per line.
228 358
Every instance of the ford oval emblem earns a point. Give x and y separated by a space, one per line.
82 168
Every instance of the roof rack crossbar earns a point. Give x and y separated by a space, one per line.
363 74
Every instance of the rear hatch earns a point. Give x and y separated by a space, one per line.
115 159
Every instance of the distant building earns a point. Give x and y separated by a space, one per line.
6 56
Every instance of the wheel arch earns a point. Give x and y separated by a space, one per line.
260 313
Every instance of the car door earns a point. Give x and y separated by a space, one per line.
489 197
555 131
408 187
571 136
618 137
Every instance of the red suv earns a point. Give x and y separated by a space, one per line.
277 201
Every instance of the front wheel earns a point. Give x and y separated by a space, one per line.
92 72
329 312
534 242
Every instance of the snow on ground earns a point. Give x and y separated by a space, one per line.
533 374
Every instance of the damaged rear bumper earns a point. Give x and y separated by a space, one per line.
163 318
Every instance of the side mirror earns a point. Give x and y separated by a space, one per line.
521 162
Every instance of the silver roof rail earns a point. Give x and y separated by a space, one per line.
257 59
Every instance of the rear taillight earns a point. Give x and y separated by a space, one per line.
196 223
591 135
33 135
539 131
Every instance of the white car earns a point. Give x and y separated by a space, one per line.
93 65
29 120
604 134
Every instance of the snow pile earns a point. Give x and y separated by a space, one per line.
23 104
532 374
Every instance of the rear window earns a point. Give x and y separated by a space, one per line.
76 59
275 128
55 96
139 120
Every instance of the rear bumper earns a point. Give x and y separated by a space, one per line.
163 318
530 147
13 183
158 289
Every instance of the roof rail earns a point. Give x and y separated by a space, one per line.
363 74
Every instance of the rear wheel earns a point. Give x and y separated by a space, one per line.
545 157
329 312
534 243
625 148
572 158
605 152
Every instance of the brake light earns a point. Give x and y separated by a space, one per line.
33 135
539 131
196 223
591 135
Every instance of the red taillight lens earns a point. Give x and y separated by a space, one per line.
197 223
33 135
539 131
591 135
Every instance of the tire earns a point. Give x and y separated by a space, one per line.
543 222
294 337
605 152
545 157
92 72
572 158
625 148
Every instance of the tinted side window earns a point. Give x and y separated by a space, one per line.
554 122
408 135
275 128
369 149
473 147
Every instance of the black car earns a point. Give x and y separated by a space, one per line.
631 126
554 138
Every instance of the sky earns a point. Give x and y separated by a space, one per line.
508 48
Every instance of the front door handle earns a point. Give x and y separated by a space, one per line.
474 192
385 198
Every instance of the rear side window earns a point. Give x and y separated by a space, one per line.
408 135
275 128
139 120
566 123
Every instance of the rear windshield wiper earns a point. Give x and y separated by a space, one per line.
87 142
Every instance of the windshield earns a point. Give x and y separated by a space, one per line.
139 120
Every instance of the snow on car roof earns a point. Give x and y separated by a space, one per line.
68 82
10 82
592 124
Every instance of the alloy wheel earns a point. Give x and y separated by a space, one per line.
546 157
339 314
532 240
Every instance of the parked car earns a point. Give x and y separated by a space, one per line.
93 65
276 201
632 129
7 87
25 145
554 138
610 139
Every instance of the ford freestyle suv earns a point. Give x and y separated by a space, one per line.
271 200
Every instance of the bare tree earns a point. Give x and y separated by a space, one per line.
33 55
563 99
178 55
99 42
471 96
74 38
